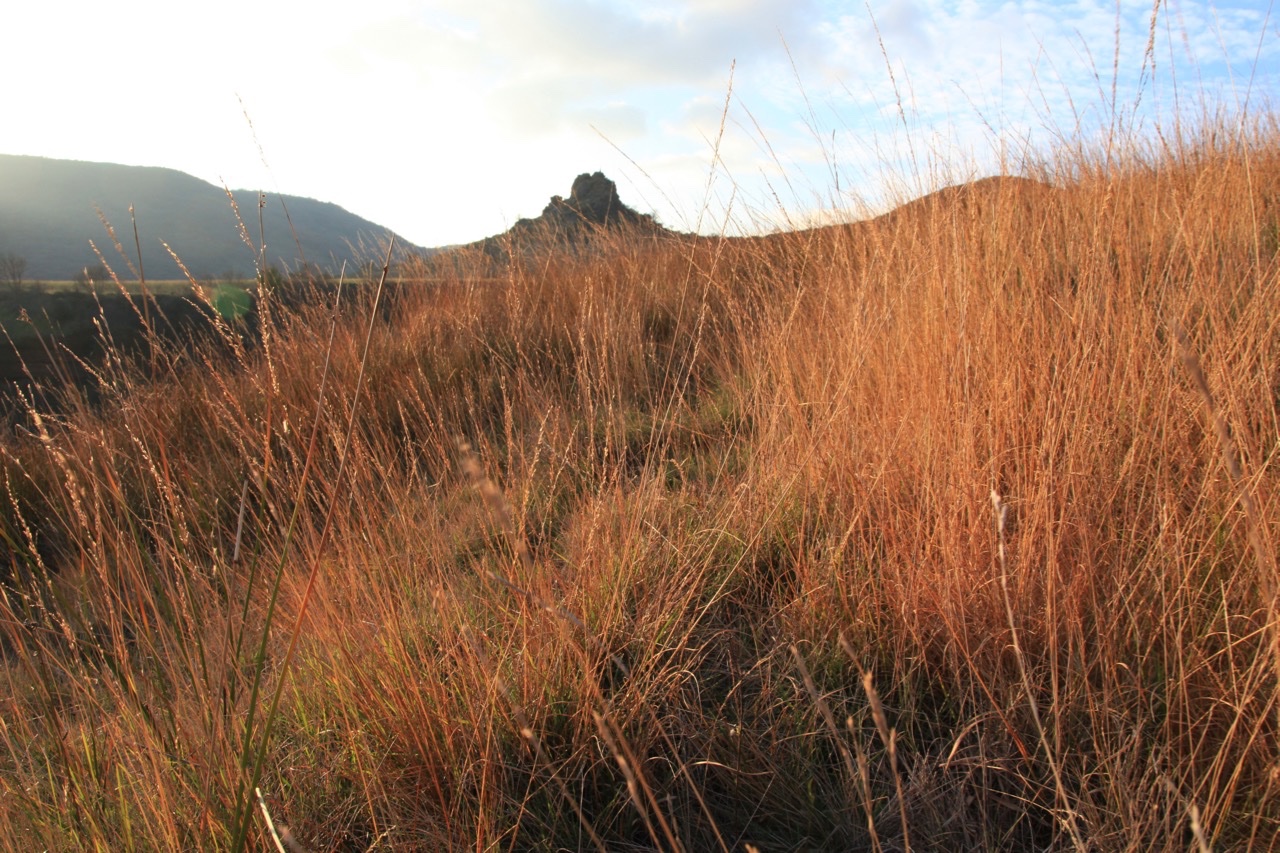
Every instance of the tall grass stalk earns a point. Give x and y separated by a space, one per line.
269 718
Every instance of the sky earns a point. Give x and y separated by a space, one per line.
446 120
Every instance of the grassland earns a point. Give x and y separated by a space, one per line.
952 530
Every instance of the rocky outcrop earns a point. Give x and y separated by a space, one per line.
593 198
592 204
592 210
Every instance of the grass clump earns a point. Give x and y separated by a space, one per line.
951 529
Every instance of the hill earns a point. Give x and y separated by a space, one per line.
49 213
593 217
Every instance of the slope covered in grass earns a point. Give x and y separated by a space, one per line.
950 530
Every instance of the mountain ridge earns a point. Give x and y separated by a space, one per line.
49 213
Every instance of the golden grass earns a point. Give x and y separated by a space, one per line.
921 532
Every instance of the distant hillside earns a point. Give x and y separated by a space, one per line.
48 216
593 215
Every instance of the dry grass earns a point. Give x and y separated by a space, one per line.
691 546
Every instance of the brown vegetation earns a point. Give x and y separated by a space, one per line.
926 532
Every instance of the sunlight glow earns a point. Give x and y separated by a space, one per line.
447 120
